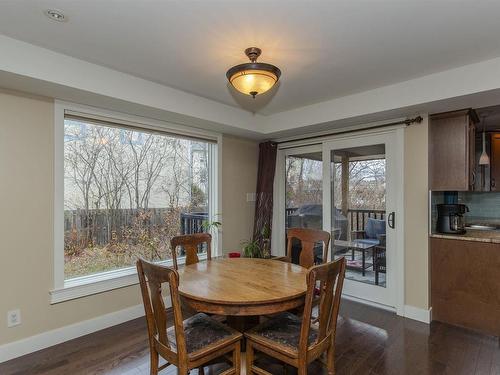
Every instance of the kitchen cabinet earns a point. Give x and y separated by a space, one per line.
452 151
464 284
495 162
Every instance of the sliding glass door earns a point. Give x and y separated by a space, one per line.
350 186
362 190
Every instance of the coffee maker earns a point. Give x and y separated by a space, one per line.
450 218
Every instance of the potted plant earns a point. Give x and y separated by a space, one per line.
251 249
208 226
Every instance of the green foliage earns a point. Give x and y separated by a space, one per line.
251 249
208 225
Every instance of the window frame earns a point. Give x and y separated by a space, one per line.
77 287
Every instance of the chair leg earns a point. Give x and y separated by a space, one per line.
249 359
237 358
201 371
330 360
154 362
302 370
182 370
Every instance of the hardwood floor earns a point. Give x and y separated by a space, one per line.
369 341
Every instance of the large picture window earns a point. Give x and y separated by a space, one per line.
127 192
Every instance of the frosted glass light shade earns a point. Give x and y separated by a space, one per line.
484 159
253 81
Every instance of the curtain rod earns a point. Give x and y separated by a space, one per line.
406 122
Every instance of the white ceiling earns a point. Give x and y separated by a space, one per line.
325 49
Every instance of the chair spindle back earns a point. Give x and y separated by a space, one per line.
331 278
190 243
151 278
308 239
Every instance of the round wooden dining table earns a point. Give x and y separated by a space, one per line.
242 287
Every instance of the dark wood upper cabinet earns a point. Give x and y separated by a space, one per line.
495 162
452 151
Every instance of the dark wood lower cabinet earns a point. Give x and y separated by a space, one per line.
465 284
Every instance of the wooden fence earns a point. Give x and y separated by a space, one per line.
104 226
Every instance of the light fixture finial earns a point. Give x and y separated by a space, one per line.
253 53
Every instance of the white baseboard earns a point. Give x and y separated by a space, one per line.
50 338
368 302
410 312
416 313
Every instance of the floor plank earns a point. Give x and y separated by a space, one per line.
369 341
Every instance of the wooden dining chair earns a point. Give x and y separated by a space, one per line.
294 340
189 343
308 239
191 243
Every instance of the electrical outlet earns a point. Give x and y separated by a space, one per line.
251 197
13 318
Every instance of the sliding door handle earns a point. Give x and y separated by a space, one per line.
391 220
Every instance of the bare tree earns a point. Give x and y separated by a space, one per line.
81 157
124 181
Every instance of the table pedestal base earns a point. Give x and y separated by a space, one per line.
242 324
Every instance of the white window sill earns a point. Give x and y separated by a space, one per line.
83 286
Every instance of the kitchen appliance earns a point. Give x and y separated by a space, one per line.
451 218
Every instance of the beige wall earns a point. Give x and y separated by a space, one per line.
416 215
26 222
239 177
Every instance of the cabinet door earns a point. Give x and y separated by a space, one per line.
449 150
495 162
464 284
472 156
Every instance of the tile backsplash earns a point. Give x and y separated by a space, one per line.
482 206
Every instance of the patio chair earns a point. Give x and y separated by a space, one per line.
370 235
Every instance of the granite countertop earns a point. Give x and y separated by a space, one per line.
492 236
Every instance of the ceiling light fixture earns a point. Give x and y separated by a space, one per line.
253 78
55 15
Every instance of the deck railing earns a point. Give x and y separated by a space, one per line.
192 222
357 217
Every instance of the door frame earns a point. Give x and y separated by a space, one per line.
278 238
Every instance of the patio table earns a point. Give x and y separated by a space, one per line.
356 246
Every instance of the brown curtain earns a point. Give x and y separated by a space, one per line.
264 196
